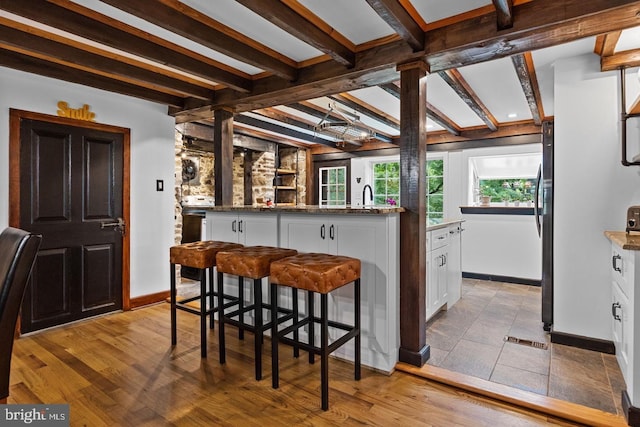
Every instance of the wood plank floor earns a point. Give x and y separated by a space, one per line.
121 370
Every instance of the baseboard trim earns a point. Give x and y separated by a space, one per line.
631 413
143 300
505 279
587 343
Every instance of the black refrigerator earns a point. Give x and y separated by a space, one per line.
543 212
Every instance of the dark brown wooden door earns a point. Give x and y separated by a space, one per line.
70 185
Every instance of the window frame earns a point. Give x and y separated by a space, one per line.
325 202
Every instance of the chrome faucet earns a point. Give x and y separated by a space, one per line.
364 191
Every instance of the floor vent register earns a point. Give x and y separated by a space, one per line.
522 341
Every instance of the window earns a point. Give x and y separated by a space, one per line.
435 191
333 186
386 183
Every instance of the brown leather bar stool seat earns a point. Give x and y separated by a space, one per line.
316 273
252 262
200 255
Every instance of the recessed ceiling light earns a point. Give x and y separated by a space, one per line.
429 126
512 115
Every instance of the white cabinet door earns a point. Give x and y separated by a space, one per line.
258 229
436 280
222 226
620 326
304 233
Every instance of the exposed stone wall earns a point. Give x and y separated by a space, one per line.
262 174
238 179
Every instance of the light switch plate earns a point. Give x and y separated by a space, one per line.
159 185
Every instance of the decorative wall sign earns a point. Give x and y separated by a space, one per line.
82 113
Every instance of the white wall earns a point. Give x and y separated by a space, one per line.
592 192
152 157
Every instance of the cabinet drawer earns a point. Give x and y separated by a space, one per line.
439 238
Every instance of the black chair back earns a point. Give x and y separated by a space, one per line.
18 251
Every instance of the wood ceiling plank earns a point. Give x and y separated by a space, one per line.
471 41
102 29
397 17
440 118
44 44
504 13
290 21
523 63
173 20
627 58
30 64
460 86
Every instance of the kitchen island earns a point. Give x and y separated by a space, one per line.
370 234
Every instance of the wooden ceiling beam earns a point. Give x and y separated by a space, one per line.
537 24
606 43
30 64
241 130
397 17
470 41
627 58
102 29
44 44
526 71
283 117
480 134
362 107
432 112
174 20
272 127
455 80
504 13
284 17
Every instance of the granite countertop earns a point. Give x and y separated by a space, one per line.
444 223
625 241
373 210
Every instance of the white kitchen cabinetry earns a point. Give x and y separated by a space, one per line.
444 271
249 229
624 299
373 239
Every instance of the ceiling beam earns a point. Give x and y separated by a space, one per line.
440 118
470 41
526 71
272 127
239 129
455 80
362 107
606 43
283 117
504 13
207 34
102 29
44 44
627 58
284 17
397 17
30 64
432 112
471 135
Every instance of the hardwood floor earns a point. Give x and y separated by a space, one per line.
121 370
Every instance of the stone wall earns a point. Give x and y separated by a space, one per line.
262 173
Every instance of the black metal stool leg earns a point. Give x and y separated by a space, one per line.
312 333
257 292
274 337
174 338
356 298
203 313
241 307
220 311
324 352
294 307
211 298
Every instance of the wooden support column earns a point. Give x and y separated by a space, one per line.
223 156
413 222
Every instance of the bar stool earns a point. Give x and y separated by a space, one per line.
316 273
252 262
200 255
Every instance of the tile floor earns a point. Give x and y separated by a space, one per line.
469 339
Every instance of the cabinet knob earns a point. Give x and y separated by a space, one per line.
614 311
